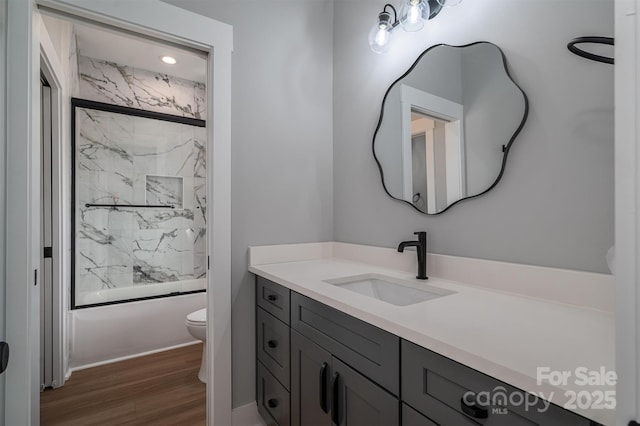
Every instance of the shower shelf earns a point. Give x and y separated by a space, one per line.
152 206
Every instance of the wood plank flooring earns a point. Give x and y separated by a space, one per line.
159 389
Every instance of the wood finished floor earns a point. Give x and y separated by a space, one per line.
159 389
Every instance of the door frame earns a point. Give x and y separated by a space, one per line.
3 61
627 221
51 68
159 20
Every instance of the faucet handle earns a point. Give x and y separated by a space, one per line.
420 233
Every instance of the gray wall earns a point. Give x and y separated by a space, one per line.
493 111
282 176
554 206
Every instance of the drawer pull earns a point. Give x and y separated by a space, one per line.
473 410
272 403
335 404
323 388
272 297
272 344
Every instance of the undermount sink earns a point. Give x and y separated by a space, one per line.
391 290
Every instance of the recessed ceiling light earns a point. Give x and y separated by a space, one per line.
169 60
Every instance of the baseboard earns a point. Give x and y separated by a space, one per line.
247 415
123 358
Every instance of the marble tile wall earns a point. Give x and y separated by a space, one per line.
121 159
117 84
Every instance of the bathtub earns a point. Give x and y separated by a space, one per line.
103 334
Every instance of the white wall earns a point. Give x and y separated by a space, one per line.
282 176
554 206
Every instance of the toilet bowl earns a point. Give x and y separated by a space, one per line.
196 323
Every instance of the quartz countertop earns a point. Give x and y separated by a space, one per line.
505 335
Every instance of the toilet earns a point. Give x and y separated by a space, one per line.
196 323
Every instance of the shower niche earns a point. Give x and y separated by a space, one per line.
139 200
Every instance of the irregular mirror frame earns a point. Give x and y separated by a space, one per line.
446 126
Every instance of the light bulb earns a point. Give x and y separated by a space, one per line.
170 60
449 3
380 34
379 37
413 14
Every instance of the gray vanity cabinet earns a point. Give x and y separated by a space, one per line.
317 366
445 392
310 383
411 417
357 401
325 391
272 352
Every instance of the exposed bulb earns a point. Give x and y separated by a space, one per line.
449 3
413 14
379 37
380 34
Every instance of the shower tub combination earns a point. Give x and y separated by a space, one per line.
108 333
139 197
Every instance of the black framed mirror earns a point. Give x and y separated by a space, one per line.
446 126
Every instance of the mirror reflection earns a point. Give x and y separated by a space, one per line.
447 125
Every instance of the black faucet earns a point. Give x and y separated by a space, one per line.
421 249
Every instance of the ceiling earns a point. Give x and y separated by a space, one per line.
138 52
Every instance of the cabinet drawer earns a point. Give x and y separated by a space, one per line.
273 398
273 345
273 298
411 417
436 386
371 351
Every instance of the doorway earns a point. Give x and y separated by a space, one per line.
151 18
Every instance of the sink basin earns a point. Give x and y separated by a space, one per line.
391 290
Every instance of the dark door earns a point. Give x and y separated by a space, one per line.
357 401
310 380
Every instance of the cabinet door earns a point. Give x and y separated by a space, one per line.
357 401
310 374
411 417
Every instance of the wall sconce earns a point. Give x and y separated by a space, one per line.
413 15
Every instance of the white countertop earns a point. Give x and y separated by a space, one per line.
504 335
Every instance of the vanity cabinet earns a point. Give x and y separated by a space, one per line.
445 392
325 391
317 366
272 352
373 352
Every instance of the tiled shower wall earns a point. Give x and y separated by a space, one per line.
122 159
117 84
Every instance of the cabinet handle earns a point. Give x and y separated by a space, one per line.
335 404
272 297
272 403
323 388
473 410
272 344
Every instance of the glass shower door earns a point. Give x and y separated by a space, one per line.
140 204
